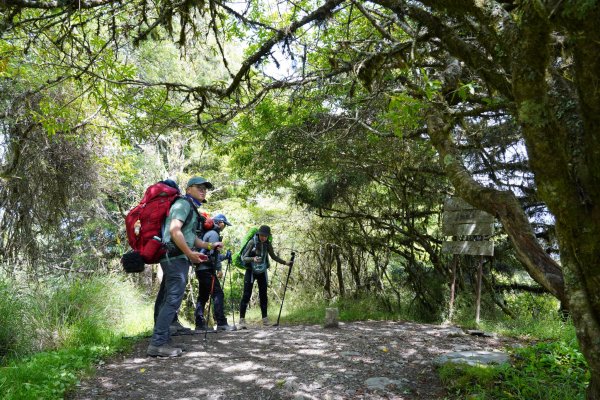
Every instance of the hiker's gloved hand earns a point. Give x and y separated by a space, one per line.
219 274
289 263
217 245
197 258
256 259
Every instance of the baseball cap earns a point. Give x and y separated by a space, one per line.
199 181
221 217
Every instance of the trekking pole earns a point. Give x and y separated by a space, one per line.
212 287
285 287
228 258
228 255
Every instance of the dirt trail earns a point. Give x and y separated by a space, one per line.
359 360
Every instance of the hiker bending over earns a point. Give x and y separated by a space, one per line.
256 259
180 236
208 273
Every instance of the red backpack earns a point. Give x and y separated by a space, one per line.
144 225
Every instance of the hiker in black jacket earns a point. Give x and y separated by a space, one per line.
208 273
256 258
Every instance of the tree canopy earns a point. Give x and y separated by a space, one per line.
494 101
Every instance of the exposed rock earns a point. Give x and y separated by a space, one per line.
477 357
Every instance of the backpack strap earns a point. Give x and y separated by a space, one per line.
188 219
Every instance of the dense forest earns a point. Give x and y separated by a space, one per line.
344 125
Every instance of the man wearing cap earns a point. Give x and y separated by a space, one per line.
258 250
180 237
208 273
176 328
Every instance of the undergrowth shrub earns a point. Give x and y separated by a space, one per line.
72 324
301 307
48 375
91 311
13 309
545 371
69 313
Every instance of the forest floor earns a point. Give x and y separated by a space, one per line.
358 360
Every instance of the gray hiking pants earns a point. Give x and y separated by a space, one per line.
175 272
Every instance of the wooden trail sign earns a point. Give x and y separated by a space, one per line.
479 248
462 219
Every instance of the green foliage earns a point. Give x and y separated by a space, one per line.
83 320
578 9
537 317
75 313
465 381
431 87
301 307
405 113
364 308
545 371
548 326
13 321
92 311
349 142
48 375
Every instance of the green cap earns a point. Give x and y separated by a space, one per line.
199 181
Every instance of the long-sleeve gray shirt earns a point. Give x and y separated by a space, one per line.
214 261
261 249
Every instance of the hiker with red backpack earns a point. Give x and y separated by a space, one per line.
180 237
256 260
208 274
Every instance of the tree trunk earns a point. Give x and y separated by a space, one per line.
340 274
452 287
561 127
581 305
325 258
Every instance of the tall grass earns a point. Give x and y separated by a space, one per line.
68 325
552 368
544 371
302 308
13 315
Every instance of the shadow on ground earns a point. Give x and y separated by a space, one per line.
359 360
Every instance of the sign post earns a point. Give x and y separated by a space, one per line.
460 219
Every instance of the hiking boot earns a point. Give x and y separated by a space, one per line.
242 323
163 351
200 324
202 327
176 329
265 321
177 324
181 346
226 327
179 331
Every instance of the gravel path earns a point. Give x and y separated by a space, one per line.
359 360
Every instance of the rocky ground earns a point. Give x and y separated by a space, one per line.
359 360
